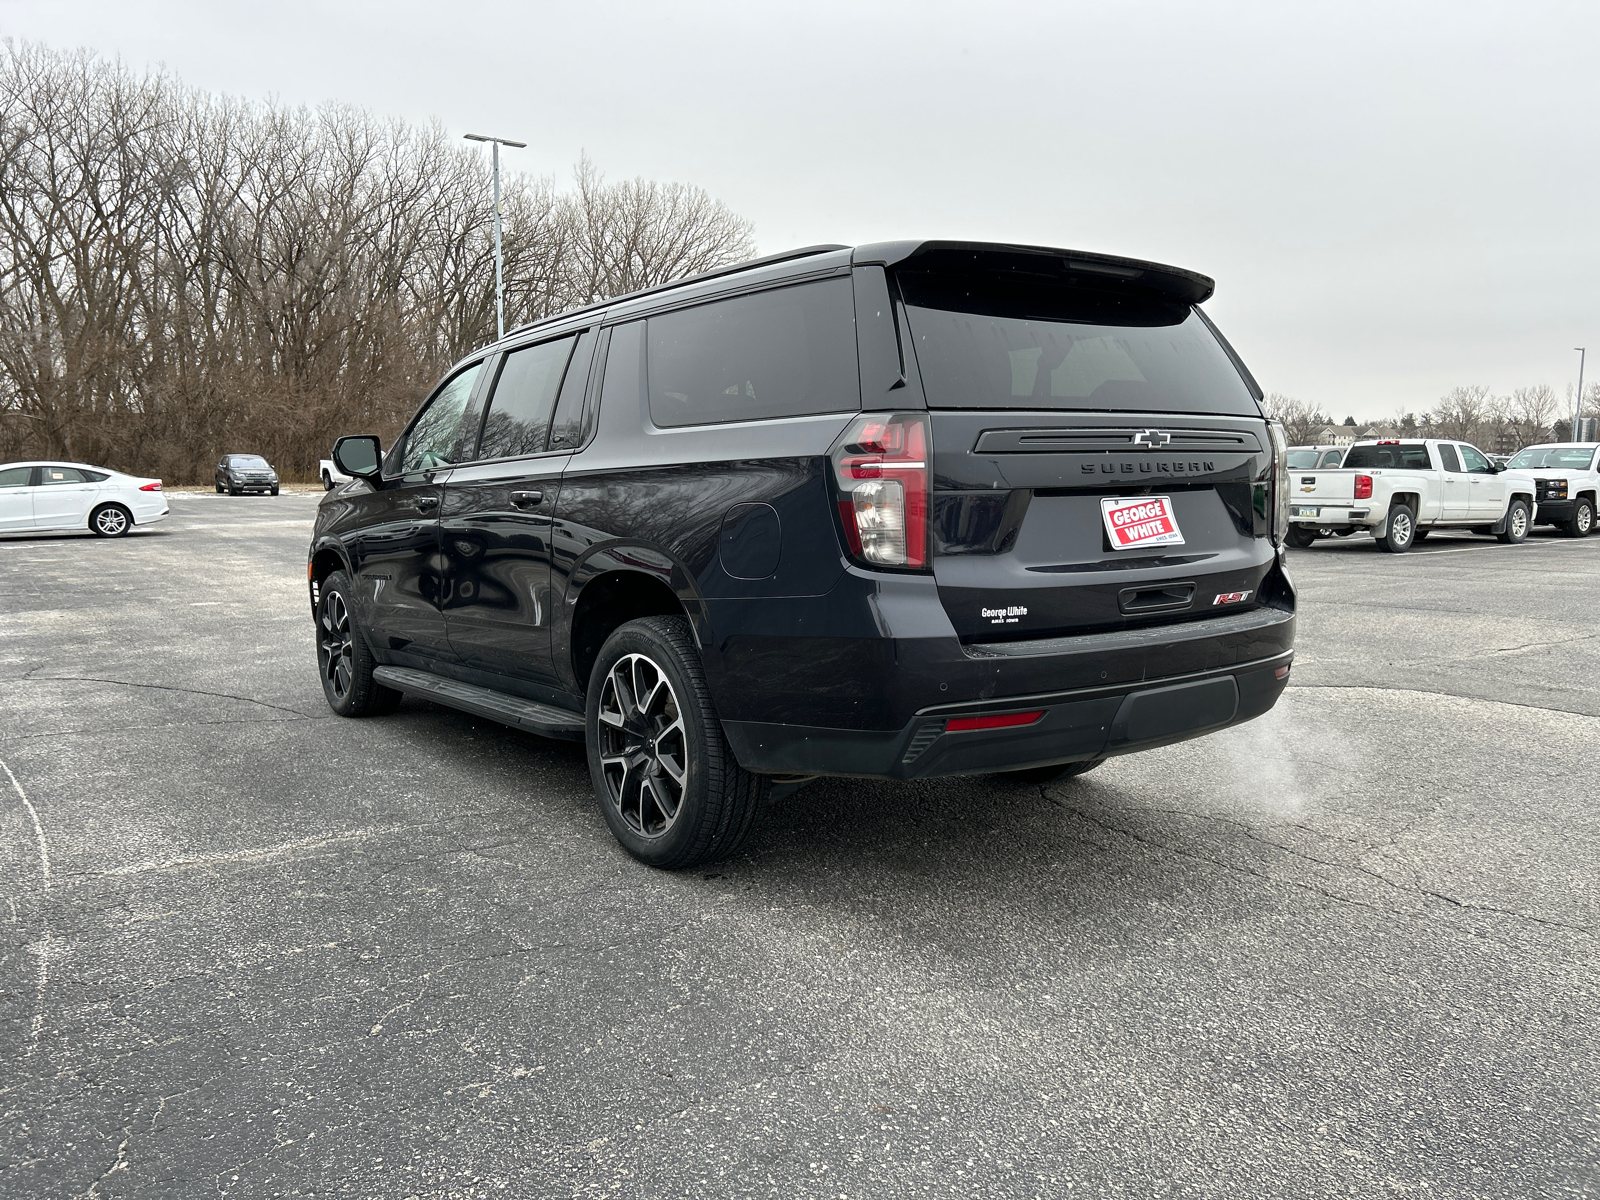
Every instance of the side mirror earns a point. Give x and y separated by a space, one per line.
359 456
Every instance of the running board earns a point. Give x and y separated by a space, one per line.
483 702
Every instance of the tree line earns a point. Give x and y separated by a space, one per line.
1473 414
184 274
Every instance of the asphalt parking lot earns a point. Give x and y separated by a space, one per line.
251 949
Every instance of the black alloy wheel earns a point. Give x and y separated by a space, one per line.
111 520
344 661
642 753
1581 523
669 787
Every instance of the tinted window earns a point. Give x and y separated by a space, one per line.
61 475
15 477
95 476
986 340
783 353
524 397
1447 455
566 429
1477 464
1412 458
432 440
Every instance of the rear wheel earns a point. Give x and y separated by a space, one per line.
669 787
327 482
1401 531
344 659
1581 523
219 489
1300 537
1517 523
1055 771
110 520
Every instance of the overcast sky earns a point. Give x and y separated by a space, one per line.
1394 198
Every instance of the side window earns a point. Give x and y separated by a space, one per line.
1447 456
1415 458
1477 464
781 353
15 477
1332 457
523 400
566 429
433 435
49 475
94 476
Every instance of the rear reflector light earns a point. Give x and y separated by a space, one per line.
880 468
152 487
957 724
1363 487
1281 673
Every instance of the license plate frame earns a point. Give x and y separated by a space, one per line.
1302 510
1145 521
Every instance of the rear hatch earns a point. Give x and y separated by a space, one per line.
1100 461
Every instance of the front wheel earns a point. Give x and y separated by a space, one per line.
1402 530
110 520
1300 538
1517 523
274 491
344 660
669 787
1581 523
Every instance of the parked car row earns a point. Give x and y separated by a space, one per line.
1402 489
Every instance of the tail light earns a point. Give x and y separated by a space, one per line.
1363 487
1005 721
152 487
880 470
1279 526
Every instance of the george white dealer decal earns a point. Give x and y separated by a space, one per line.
1004 616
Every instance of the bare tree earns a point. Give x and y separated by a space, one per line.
1299 418
183 275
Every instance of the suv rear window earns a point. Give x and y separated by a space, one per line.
985 340
1411 457
788 352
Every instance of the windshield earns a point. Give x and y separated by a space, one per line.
248 460
984 340
1303 460
1575 458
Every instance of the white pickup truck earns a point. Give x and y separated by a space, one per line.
332 477
1567 475
1400 490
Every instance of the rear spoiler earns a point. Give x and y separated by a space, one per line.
1190 287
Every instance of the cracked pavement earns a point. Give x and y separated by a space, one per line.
1348 949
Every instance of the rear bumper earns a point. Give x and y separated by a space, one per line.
1076 726
1334 517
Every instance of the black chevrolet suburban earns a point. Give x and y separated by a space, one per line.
904 510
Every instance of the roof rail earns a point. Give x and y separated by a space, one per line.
731 269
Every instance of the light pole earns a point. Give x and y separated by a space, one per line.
499 282
1577 410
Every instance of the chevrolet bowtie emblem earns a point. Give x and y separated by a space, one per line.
1152 437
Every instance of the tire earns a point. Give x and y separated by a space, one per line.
1299 538
1518 523
274 491
232 491
344 660
219 489
1401 530
668 785
327 482
1581 523
1055 771
110 521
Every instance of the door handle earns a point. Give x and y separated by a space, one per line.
527 499
424 503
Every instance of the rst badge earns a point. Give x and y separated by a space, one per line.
1232 598
1140 521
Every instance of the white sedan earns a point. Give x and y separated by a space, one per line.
35 496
